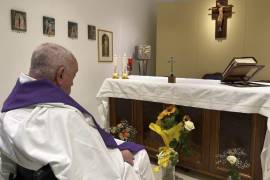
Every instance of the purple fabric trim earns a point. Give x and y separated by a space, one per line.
131 147
44 91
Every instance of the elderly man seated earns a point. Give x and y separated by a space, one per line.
42 125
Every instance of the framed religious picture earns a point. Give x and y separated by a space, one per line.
18 21
105 46
143 52
91 32
48 26
72 30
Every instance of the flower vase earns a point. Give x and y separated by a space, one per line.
168 173
230 178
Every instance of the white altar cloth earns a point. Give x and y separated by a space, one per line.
206 94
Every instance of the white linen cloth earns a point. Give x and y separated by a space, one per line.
206 94
65 138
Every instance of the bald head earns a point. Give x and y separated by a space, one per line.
51 61
47 58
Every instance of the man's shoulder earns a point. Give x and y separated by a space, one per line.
40 116
59 108
45 109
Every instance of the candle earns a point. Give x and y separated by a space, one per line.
115 59
124 67
115 64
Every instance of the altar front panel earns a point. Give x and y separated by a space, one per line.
215 132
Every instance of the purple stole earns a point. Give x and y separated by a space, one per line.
44 91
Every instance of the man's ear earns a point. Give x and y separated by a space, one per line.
59 75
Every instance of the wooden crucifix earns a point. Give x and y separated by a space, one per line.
171 78
221 13
172 62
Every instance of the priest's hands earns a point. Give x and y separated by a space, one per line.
128 157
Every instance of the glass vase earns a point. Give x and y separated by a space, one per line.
168 173
231 178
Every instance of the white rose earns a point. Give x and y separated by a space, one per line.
189 125
232 159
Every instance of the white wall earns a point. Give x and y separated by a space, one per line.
131 21
186 31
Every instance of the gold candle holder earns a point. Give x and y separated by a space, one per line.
124 76
115 76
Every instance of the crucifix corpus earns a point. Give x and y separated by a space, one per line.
171 78
221 12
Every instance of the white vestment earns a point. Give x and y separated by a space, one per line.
60 135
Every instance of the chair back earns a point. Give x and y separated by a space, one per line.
44 173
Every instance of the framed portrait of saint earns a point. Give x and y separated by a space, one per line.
105 46
48 26
91 32
72 30
18 21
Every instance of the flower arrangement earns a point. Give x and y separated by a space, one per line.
173 127
233 172
235 159
123 131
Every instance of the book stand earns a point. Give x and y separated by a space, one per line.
239 72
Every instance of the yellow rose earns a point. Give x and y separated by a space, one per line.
164 156
171 109
161 115
232 159
189 125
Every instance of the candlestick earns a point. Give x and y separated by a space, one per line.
129 65
124 67
171 78
115 68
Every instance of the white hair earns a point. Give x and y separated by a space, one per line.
47 58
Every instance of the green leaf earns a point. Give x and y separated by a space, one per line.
168 122
173 144
174 158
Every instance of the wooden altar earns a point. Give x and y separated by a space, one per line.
216 130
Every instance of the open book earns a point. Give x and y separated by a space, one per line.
240 71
